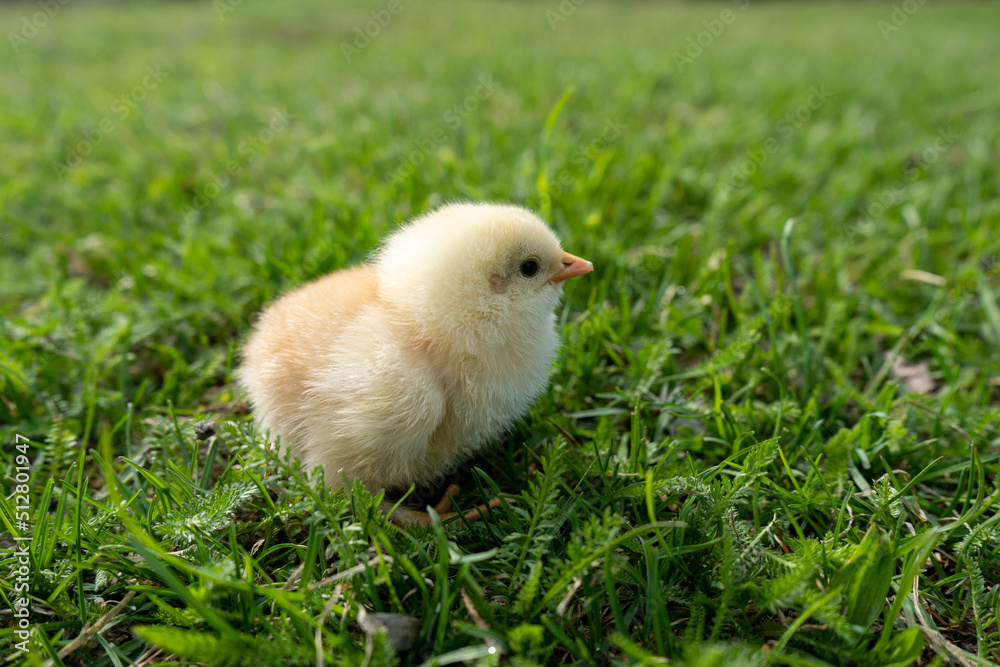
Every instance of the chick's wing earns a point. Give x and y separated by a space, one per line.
376 402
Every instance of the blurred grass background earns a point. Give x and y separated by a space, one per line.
318 195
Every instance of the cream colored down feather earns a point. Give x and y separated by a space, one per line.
395 371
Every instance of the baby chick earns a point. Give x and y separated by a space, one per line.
393 372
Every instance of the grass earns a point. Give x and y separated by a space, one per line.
771 437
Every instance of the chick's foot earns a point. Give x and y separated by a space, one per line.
405 517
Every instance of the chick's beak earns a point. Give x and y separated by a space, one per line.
573 266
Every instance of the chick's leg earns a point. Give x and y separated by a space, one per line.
477 512
443 508
444 505
404 517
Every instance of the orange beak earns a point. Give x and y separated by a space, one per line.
573 266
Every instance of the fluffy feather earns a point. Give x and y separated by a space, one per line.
395 371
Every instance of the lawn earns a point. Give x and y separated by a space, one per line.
770 438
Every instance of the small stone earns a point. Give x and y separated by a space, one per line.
916 378
204 429
401 628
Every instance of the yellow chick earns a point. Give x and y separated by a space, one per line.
394 372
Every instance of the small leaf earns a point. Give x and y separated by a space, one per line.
529 592
206 513
526 640
201 646
904 648
866 578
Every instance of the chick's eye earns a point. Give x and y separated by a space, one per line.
529 267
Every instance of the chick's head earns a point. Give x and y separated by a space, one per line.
475 274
